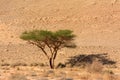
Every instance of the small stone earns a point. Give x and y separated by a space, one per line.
98 79
33 74
12 36
18 77
50 71
42 78
61 65
69 79
6 50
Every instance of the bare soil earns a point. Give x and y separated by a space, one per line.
95 23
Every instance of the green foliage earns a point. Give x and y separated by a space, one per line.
41 35
67 34
36 35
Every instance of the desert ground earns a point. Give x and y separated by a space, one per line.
96 24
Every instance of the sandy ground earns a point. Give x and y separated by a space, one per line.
95 22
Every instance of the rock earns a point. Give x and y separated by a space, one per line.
33 74
98 79
12 36
18 77
69 79
61 65
50 71
44 78
6 50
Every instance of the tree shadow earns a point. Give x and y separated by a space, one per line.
84 59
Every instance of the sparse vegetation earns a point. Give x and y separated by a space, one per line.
37 64
18 77
47 39
94 22
5 64
95 67
18 64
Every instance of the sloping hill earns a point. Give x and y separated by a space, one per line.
94 21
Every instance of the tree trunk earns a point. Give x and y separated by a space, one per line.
51 61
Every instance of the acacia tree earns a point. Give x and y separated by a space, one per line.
44 39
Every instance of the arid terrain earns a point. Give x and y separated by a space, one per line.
96 24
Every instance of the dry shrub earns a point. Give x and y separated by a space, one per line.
84 77
108 76
70 45
5 64
18 77
105 75
37 64
18 64
95 67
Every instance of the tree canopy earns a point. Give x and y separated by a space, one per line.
41 35
52 40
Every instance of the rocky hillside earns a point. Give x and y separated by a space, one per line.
95 22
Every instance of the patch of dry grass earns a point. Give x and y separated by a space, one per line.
18 77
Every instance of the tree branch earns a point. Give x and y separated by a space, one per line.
56 49
49 46
38 44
